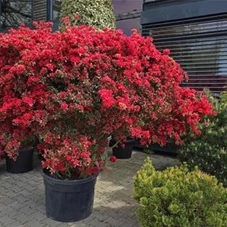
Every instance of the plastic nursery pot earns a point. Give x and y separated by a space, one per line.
124 153
169 148
69 200
23 163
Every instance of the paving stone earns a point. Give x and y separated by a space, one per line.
6 220
126 224
101 217
76 225
12 194
38 216
23 218
50 223
89 219
114 222
15 189
18 205
27 210
97 223
34 224
6 200
14 224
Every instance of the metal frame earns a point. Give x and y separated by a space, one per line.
129 15
0 13
49 10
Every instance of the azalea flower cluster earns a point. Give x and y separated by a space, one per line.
73 89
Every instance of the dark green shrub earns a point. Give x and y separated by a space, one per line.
176 197
98 13
209 150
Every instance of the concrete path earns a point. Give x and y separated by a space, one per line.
22 196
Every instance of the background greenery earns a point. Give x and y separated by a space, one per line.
209 150
98 13
177 197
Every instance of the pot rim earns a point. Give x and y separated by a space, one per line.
27 148
67 181
127 141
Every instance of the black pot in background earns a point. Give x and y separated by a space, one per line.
170 149
23 163
124 153
40 156
69 200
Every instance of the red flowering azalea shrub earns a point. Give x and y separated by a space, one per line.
75 88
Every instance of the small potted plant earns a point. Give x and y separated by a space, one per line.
122 150
17 142
23 161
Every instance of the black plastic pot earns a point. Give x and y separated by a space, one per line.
169 149
124 153
69 200
23 163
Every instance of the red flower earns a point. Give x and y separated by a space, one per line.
64 106
88 172
107 98
85 155
95 170
113 159
77 17
166 52
28 100
48 140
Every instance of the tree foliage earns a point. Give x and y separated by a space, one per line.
98 13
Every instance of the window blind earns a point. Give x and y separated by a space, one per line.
39 10
199 45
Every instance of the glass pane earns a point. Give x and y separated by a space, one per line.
56 9
15 12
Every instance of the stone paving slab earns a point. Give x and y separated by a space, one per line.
22 196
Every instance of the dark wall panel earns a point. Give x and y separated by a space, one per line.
124 6
196 33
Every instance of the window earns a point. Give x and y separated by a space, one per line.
15 12
56 9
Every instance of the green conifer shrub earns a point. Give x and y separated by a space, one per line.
177 197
